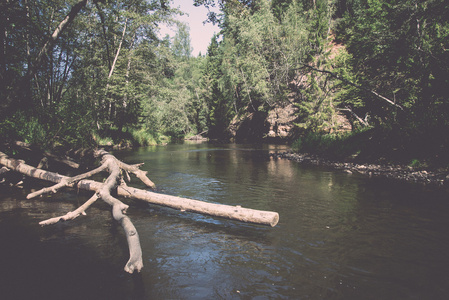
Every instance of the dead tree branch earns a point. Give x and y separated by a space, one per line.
348 109
72 214
103 191
66 182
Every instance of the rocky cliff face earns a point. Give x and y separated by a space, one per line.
276 125
281 121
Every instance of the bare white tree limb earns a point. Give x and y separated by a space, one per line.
72 214
348 109
66 182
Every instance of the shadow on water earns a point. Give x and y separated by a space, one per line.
339 236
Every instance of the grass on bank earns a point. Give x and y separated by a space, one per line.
30 130
128 137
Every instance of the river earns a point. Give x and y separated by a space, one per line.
339 236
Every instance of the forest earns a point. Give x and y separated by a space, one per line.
360 79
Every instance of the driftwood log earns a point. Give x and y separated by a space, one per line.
115 182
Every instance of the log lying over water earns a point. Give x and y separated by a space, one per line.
219 210
115 183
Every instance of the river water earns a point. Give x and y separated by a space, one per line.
339 236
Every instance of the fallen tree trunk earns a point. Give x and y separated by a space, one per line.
212 209
218 210
113 182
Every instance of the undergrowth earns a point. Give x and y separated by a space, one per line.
129 137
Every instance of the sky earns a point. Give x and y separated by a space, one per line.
200 34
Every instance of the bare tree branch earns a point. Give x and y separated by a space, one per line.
66 182
363 122
73 214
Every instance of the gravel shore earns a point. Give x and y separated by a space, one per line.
397 172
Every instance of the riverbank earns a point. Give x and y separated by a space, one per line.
438 178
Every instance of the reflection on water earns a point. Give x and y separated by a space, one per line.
339 236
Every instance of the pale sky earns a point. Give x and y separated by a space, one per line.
200 34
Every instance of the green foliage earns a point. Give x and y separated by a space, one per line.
109 73
417 164
174 105
258 53
381 144
398 48
22 127
143 137
72 124
261 62
181 43
126 137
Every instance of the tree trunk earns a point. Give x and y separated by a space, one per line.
212 209
184 204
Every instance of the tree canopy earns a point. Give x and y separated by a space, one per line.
107 73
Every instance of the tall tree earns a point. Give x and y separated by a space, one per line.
181 42
218 106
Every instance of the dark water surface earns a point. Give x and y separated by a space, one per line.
339 236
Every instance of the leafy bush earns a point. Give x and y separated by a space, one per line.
23 128
143 137
417 164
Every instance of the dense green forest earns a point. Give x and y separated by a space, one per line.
380 66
